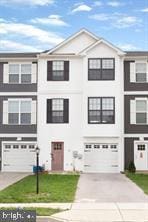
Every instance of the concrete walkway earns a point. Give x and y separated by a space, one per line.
105 212
108 188
6 179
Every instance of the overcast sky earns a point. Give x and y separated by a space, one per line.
36 25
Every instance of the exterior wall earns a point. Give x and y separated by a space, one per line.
17 128
132 128
77 132
13 139
15 87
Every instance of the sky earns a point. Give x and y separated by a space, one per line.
38 25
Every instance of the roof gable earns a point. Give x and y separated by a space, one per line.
75 44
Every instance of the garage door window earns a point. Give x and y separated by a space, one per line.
101 110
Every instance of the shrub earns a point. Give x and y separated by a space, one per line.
131 167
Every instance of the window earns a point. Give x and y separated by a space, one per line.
141 72
57 111
141 147
19 112
141 111
20 73
58 70
101 69
101 110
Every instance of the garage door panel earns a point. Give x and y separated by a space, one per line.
101 158
19 157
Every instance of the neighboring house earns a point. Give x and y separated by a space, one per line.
18 96
92 109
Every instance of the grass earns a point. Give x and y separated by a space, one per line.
140 179
39 211
52 188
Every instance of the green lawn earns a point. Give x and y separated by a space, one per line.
52 188
39 211
140 179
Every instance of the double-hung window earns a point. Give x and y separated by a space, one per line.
57 70
20 73
101 69
141 111
141 72
101 110
57 110
19 112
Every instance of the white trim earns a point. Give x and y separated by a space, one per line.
72 37
136 93
4 135
119 51
18 93
135 135
132 72
67 92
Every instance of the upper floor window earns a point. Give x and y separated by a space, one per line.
101 69
58 70
19 111
19 73
101 110
141 72
57 110
139 111
138 71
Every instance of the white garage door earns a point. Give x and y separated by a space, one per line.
18 157
101 158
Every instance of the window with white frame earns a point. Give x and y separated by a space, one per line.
141 111
19 112
141 72
20 73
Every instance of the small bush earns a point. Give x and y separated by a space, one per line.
131 167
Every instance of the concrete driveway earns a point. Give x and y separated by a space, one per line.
108 188
6 179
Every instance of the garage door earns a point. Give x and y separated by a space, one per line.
18 157
101 158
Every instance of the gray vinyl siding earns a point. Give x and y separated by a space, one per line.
27 139
131 86
7 87
15 128
129 151
132 128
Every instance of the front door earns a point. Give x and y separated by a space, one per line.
141 156
57 156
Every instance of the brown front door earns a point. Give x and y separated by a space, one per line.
57 156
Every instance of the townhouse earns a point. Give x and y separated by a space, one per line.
18 99
84 102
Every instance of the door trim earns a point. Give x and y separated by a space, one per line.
145 142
